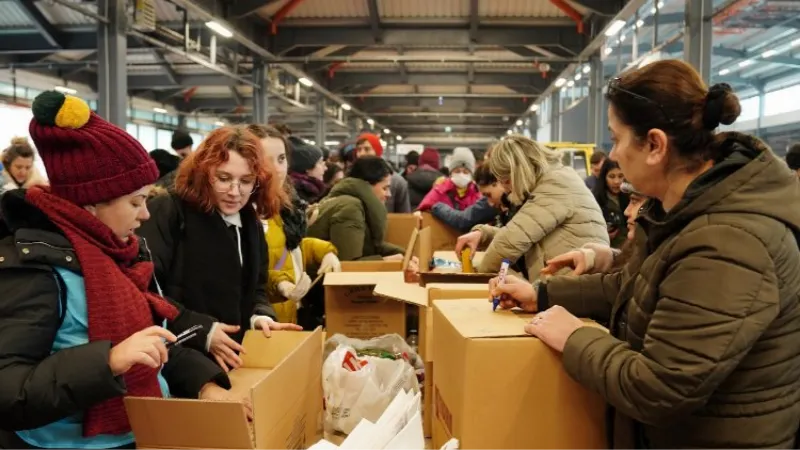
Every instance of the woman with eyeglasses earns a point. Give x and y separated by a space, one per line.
702 350
208 243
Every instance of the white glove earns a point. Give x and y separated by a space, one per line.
301 288
285 288
330 263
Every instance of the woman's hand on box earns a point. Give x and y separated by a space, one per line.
470 240
212 392
514 293
224 349
267 326
554 327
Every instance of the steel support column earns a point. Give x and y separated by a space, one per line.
112 72
555 117
698 35
322 124
260 93
596 101
761 95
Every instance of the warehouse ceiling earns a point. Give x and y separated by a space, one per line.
431 71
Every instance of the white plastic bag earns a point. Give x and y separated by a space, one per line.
361 387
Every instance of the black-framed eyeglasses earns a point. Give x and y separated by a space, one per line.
614 84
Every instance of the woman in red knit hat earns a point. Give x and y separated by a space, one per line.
208 242
78 326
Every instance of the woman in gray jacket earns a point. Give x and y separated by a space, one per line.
557 213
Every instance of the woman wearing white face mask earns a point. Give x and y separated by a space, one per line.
458 191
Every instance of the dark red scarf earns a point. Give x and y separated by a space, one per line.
117 299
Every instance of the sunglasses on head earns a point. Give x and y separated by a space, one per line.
614 85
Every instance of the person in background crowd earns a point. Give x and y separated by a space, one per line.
369 144
292 255
283 129
19 170
488 208
306 169
595 164
353 217
701 349
182 143
444 170
208 243
333 175
346 155
412 162
78 328
167 164
612 201
458 191
793 158
422 180
597 258
556 212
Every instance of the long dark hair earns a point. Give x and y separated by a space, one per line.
601 193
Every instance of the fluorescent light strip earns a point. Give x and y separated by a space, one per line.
216 27
160 110
614 28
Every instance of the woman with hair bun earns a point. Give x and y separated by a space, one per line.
702 350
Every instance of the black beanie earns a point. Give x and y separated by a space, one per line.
165 161
181 139
304 156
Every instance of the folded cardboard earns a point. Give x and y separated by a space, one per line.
399 228
284 370
424 298
427 248
443 237
353 310
495 387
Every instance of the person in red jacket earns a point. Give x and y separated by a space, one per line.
459 190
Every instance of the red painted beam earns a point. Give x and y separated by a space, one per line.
571 12
282 13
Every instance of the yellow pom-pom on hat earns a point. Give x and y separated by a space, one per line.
64 111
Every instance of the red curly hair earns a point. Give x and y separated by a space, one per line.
194 180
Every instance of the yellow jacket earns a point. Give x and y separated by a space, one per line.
309 253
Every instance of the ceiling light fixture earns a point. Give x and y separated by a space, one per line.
724 72
560 82
306 82
614 28
65 90
216 27
346 107
160 110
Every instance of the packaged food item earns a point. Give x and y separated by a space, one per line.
466 261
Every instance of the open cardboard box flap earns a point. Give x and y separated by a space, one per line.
362 278
475 318
418 295
427 276
275 371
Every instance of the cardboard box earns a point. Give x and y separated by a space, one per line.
426 238
352 309
284 370
444 237
424 297
495 387
399 228
427 401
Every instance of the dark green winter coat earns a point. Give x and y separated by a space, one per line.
353 219
704 350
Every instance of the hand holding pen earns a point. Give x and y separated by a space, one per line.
513 293
147 347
